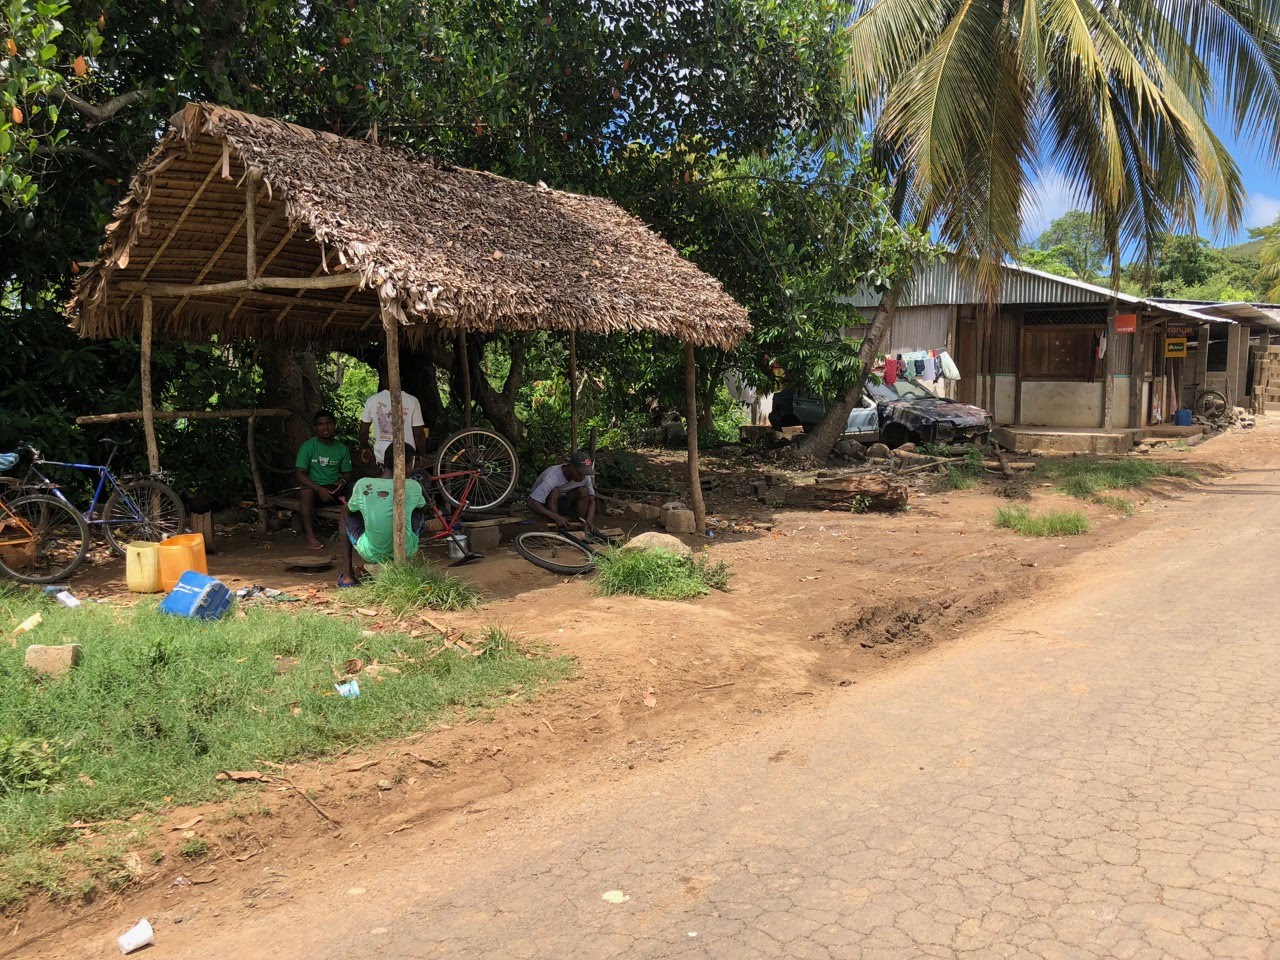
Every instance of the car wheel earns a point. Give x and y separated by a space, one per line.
894 435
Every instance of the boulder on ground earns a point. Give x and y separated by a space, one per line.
878 451
52 661
679 521
851 450
907 448
659 541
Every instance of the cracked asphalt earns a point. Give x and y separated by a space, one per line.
1097 774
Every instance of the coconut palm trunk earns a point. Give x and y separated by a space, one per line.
817 445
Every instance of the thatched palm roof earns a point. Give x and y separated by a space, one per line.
438 244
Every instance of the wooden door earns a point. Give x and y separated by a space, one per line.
966 391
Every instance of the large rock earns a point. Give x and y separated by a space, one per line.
877 451
659 541
851 450
679 521
52 661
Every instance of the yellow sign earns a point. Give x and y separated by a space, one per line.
1175 346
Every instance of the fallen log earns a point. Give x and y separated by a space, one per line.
873 492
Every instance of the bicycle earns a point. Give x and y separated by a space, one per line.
470 463
42 539
137 508
558 552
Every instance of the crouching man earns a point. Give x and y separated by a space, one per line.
565 492
368 522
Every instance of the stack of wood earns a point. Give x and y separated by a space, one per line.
869 492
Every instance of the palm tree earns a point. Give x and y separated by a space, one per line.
1268 279
967 97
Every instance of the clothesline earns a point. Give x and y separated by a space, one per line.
932 365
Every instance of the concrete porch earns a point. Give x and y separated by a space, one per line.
1027 439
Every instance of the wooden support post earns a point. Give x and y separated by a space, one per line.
259 490
1138 374
1234 385
391 330
691 407
464 358
573 390
148 407
251 225
1109 366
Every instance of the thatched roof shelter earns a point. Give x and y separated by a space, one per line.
436 244
243 226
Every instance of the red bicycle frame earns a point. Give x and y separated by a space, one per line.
449 523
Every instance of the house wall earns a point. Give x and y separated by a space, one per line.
1051 403
1004 385
919 328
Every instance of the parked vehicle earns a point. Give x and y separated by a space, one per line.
893 415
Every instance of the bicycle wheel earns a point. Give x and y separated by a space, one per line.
1211 405
142 509
490 455
555 552
42 539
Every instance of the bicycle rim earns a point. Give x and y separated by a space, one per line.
148 510
556 553
490 456
42 539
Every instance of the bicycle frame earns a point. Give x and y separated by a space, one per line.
105 477
450 523
8 517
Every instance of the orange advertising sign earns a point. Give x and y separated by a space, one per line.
1127 323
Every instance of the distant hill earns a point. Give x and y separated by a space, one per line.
1250 249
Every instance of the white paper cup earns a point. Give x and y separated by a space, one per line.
140 936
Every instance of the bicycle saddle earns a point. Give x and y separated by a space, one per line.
8 461
109 442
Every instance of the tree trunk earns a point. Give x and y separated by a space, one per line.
864 493
706 415
290 380
817 445
500 405
419 379
691 412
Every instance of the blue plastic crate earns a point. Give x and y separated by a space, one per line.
198 597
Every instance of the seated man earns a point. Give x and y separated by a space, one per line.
553 493
368 523
323 471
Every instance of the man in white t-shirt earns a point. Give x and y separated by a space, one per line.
554 494
376 420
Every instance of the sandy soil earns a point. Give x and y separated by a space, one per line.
819 601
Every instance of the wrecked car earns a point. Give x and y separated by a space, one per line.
905 412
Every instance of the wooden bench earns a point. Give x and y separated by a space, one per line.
292 500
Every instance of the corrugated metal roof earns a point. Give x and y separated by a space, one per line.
1262 314
941 282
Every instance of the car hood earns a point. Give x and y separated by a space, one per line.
912 412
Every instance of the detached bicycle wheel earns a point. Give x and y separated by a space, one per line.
1211 405
492 458
556 553
42 539
142 510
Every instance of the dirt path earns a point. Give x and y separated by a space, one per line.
822 601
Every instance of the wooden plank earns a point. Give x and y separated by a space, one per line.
391 332
148 409
329 282
691 413
99 418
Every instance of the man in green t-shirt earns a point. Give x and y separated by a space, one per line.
368 524
323 472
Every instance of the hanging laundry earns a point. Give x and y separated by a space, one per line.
930 371
890 371
949 368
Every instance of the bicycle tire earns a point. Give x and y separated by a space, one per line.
1211 405
162 514
527 545
63 539
489 453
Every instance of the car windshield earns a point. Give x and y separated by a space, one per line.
902 389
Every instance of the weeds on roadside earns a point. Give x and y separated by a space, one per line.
659 575
965 475
1118 504
1056 523
159 705
1087 477
405 587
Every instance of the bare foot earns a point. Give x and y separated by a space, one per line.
314 544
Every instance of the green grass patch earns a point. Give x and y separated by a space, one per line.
1121 505
965 475
412 585
158 706
1056 523
659 575
1087 477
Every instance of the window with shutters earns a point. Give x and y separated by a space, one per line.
1059 352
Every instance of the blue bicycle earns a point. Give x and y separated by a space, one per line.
132 508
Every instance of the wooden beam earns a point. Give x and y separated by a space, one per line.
464 358
334 306
253 178
288 235
182 217
213 260
691 407
148 410
328 282
391 332
100 418
260 491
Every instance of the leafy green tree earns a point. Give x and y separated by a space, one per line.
1267 278
968 96
1075 240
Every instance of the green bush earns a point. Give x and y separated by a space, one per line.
1086 477
412 585
659 575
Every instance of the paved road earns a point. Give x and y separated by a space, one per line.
1098 776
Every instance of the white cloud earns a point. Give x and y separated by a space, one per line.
1050 196
1262 211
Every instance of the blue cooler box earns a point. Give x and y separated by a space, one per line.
198 597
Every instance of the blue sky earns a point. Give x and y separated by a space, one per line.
1053 196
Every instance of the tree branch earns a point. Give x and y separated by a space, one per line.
99 113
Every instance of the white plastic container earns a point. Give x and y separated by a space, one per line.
139 936
459 546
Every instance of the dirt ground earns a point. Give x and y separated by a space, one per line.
819 600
